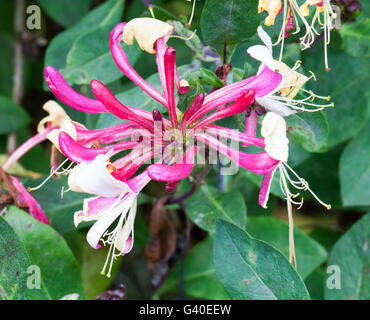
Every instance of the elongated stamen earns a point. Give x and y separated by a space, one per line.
192 14
48 178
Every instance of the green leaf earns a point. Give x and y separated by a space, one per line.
59 210
13 117
315 283
354 170
310 254
351 254
59 270
64 50
90 58
310 129
14 262
208 204
231 21
321 172
200 280
356 37
250 269
347 83
208 77
65 12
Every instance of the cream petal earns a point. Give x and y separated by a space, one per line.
98 229
146 31
125 239
263 54
94 178
275 106
265 38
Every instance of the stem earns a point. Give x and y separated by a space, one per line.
17 92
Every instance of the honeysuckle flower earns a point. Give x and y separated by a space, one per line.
114 200
322 6
290 85
276 145
173 142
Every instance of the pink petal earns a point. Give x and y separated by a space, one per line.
164 172
106 135
258 163
169 69
27 200
266 82
137 183
103 94
240 105
235 135
161 46
122 62
194 107
265 187
67 95
77 153
250 127
25 147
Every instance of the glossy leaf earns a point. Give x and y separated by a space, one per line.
347 83
14 262
65 12
251 269
200 280
356 37
64 50
228 22
13 117
310 254
59 270
354 170
351 256
309 129
208 204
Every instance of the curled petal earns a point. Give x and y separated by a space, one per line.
265 187
93 208
103 94
263 54
61 89
146 31
240 105
78 153
121 60
27 200
264 83
259 163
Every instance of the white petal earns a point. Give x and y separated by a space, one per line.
127 230
265 38
263 54
275 106
97 230
94 178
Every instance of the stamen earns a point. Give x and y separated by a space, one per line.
47 179
184 38
192 14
